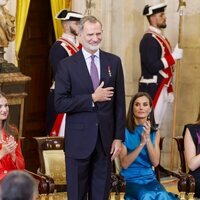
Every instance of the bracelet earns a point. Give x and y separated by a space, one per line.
142 144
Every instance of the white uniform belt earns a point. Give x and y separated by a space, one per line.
149 80
52 86
163 74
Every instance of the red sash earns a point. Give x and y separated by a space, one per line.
167 81
69 46
71 49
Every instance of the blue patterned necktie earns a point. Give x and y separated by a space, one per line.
94 73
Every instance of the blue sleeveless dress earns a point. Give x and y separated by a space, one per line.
141 182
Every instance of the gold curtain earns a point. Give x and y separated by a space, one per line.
56 6
21 15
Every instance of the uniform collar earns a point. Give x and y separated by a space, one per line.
154 29
69 37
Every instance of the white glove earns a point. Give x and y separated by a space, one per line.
177 53
170 97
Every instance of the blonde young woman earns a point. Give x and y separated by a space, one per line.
141 152
191 136
11 157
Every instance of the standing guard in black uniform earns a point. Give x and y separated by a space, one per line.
65 46
157 61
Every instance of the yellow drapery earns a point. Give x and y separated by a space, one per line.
21 15
56 6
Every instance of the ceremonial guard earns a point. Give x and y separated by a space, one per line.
65 46
157 60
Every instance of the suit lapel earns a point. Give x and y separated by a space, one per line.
104 66
83 72
84 75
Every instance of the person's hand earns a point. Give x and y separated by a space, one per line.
177 53
143 139
170 97
9 146
102 94
115 148
12 144
147 129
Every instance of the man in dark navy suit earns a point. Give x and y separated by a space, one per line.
63 47
90 89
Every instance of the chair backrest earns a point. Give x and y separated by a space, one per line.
180 144
188 182
29 147
32 162
52 158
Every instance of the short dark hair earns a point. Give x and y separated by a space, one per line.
89 18
18 185
130 122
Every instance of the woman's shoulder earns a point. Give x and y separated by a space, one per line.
193 129
129 134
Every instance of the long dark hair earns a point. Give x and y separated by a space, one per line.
9 129
130 121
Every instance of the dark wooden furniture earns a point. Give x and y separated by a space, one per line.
42 181
158 168
180 146
52 162
38 152
188 182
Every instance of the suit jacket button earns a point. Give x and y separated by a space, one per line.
96 124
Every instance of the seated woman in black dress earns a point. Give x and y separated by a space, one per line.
191 136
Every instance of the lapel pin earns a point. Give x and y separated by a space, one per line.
109 71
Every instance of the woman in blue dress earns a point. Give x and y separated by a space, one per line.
141 152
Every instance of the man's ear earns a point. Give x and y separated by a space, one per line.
152 20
